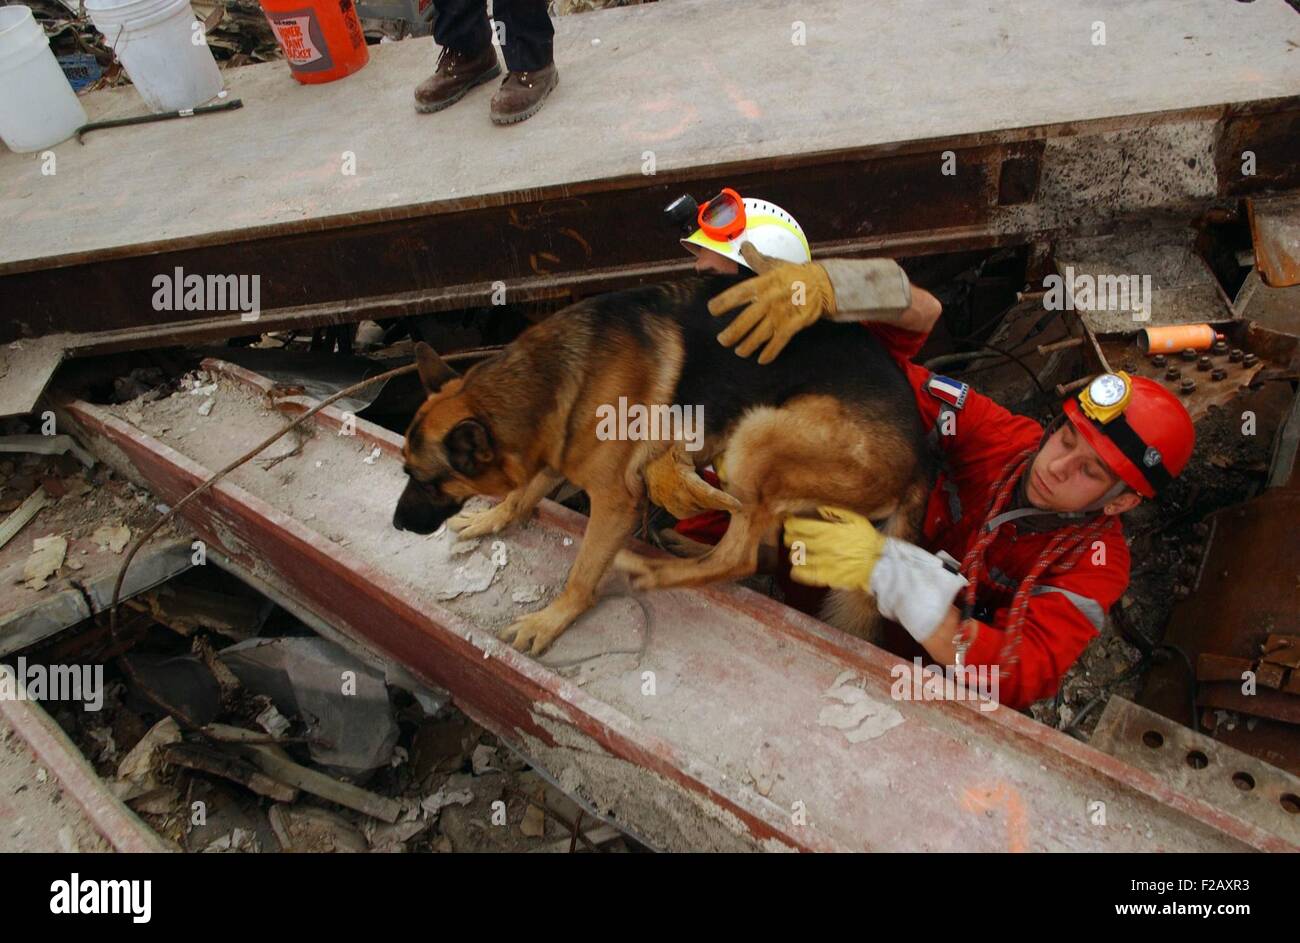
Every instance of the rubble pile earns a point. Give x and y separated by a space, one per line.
228 727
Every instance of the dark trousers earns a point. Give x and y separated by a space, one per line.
463 26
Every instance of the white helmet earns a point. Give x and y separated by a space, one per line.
770 229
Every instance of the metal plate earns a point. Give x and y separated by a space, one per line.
1275 229
1200 766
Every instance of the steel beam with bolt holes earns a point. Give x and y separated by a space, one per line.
712 718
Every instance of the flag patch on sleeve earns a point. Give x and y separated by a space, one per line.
949 391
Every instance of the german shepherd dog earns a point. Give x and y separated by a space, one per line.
831 422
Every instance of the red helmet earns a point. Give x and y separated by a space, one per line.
1138 428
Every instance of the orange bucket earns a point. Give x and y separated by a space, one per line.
321 39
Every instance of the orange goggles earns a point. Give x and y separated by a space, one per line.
723 217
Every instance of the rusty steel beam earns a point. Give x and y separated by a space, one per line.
978 779
1013 187
108 814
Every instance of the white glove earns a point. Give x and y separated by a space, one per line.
913 587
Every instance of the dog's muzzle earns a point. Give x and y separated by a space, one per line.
417 512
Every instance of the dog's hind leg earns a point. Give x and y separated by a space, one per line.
682 546
517 506
636 564
734 557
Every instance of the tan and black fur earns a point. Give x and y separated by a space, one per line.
831 421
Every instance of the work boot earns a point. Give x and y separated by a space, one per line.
456 74
522 93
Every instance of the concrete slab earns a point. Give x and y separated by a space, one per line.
824 76
84 583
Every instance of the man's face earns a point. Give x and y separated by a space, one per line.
1067 474
709 262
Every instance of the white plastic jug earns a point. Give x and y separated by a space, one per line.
38 107
155 40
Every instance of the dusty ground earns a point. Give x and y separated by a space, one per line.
35 815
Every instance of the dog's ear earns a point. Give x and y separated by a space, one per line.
434 372
469 447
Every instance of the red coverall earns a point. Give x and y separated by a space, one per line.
1066 610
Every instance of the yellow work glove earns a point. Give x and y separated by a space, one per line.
784 298
838 550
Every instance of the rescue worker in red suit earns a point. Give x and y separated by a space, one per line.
1023 551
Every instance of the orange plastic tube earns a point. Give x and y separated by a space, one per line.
321 39
1176 337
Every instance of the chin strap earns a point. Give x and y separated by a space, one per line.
1061 518
1056 518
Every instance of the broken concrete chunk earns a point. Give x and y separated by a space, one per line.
205 408
393 838
308 829
112 537
860 716
526 594
434 804
472 576
238 840
464 546
137 774
46 558
484 759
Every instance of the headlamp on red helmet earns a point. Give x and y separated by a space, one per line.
1137 427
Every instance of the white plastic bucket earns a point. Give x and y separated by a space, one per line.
155 42
38 108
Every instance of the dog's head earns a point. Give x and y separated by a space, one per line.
449 454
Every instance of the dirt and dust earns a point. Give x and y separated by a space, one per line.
35 812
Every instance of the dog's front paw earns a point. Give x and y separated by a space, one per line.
538 630
493 520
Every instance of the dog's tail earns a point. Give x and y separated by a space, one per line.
855 612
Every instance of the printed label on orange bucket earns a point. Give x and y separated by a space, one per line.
301 40
321 41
